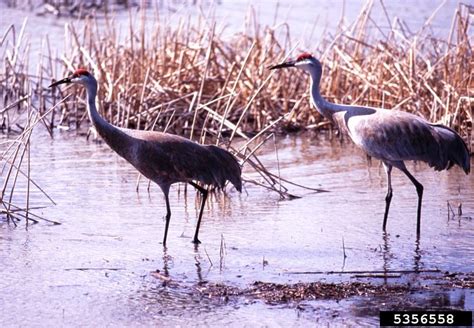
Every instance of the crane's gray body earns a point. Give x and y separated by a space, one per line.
389 135
162 157
174 158
394 136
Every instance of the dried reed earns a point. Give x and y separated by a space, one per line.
219 87
19 116
15 156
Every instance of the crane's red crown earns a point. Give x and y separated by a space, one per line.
80 71
303 56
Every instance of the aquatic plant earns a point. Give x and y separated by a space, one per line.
15 178
19 116
196 81
192 79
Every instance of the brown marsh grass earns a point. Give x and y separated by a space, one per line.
19 116
16 180
196 82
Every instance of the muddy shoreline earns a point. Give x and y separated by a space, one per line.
293 293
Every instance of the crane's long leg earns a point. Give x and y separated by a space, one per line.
204 193
388 197
419 191
166 191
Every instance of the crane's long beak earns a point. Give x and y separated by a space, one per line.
65 80
290 63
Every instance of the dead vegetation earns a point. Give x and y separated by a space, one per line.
16 179
19 116
275 293
195 81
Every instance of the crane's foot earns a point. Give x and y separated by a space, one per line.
196 241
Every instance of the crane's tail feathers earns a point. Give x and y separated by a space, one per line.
453 148
229 168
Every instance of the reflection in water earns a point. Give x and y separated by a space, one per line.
107 224
417 256
166 261
198 258
198 270
386 254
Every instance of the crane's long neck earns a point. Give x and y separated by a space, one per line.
101 125
324 107
113 136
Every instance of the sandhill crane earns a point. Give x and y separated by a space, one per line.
389 135
162 157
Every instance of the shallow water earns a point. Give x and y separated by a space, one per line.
97 267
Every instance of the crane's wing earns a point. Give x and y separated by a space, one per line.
177 159
398 136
